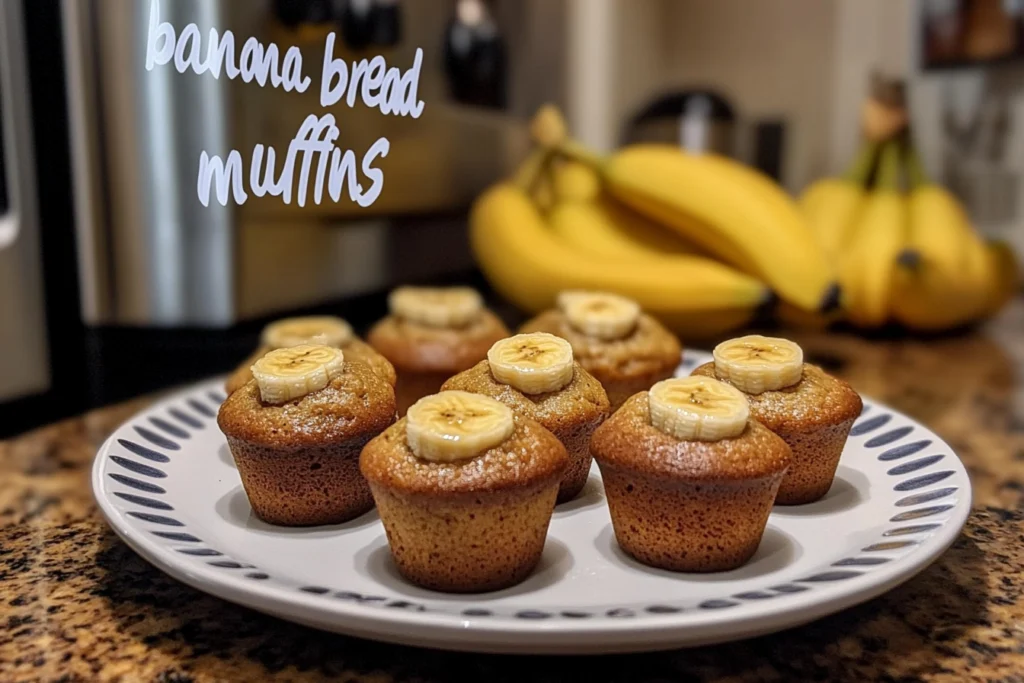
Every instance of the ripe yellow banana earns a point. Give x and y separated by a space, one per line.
928 298
939 229
1007 276
586 218
529 265
756 227
952 277
748 221
832 205
866 271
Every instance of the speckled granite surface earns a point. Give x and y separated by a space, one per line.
78 605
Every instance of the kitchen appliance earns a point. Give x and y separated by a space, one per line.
150 254
24 366
116 281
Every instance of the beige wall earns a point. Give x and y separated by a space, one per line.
771 58
804 61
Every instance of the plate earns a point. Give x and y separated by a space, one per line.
167 485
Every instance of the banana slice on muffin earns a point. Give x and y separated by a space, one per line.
811 410
698 409
455 425
604 316
465 488
436 306
690 479
287 374
536 375
756 364
323 330
625 349
532 363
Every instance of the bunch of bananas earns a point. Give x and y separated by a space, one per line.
911 257
699 241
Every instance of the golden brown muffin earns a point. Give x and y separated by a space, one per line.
470 525
355 349
649 353
424 353
572 413
685 505
814 417
299 462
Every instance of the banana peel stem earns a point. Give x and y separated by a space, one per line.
860 170
529 172
915 169
573 150
889 167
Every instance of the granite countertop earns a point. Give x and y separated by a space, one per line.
78 605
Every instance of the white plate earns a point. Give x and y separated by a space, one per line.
166 483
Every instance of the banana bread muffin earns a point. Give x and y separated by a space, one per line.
315 329
811 410
431 334
535 375
296 430
465 489
690 479
625 349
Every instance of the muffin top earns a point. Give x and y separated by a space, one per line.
410 345
355 403
530 456
628 439
355 349
582 399
817 399
359 350
648 349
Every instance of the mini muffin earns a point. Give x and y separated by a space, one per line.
535 375
690 478
431 334
325 330
811 410
465 489
296 430
625 349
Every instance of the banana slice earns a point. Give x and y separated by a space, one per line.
287 374
599 314
534 363
755 364
325 330
436 306
456 425
698 409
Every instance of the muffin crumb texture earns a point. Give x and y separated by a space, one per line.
571 414
355 403
628 439
471 525
817 399
530 454
650 350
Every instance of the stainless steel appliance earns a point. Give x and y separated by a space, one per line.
24 363
151 255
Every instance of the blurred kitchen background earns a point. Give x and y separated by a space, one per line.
114 281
